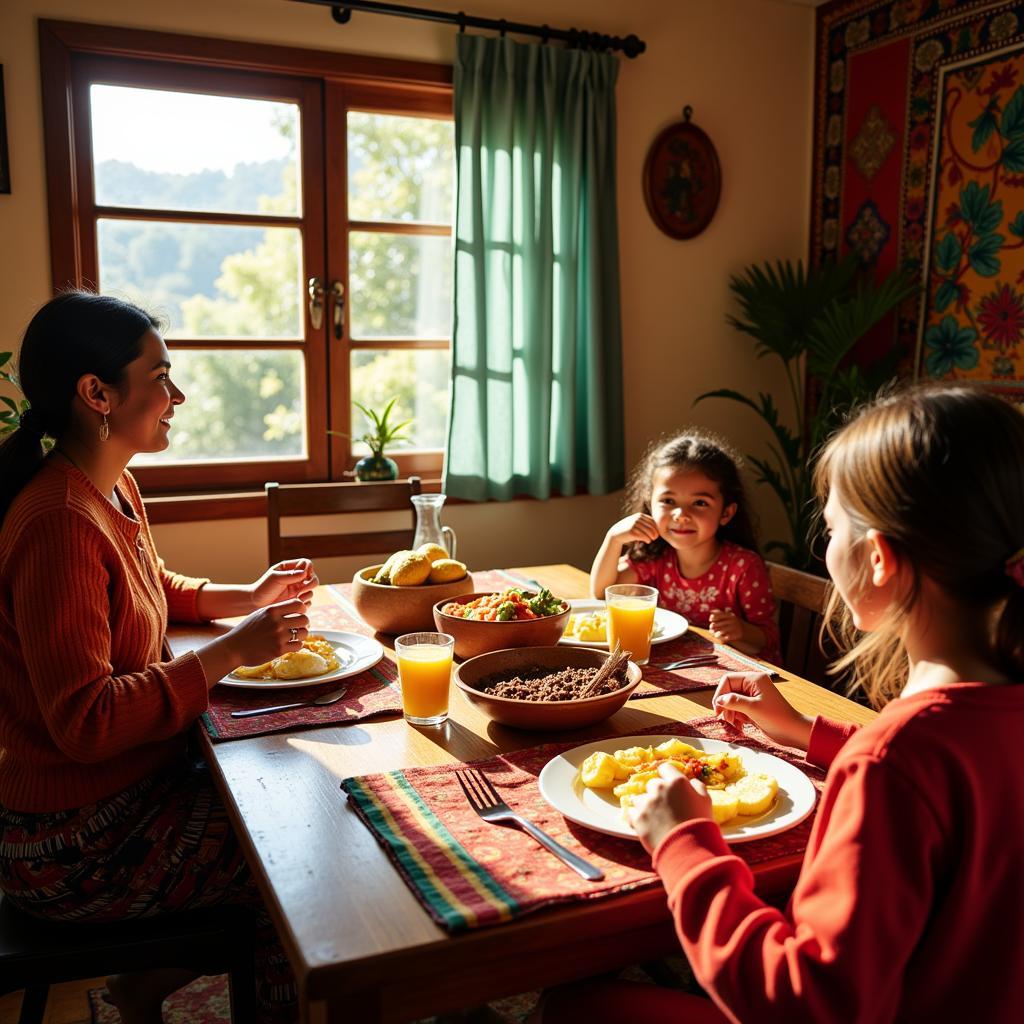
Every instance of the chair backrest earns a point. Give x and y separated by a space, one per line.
801 597
334 499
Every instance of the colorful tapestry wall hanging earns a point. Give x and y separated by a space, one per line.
919 160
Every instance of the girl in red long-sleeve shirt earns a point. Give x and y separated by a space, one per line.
910 897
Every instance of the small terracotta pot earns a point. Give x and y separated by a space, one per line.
401 609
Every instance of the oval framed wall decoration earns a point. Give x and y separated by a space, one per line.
682 179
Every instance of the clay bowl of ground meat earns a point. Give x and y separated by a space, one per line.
537 687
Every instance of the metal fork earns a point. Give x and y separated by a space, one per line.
484 799
695 661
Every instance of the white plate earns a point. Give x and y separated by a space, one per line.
671 624
356 654
561 786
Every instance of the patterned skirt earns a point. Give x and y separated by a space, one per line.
161 845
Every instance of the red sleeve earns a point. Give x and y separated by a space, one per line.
839 952
827 738
646 571
61 608
182 593
757 603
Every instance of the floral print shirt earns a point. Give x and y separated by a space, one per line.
737 579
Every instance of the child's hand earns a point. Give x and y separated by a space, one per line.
670 800
726 626
294 578
753 697
639 527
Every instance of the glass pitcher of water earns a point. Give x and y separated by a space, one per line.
428 523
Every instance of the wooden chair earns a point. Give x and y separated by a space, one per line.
35 954
801 597
333 499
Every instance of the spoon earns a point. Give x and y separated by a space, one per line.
323 701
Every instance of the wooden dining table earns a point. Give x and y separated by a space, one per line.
362 946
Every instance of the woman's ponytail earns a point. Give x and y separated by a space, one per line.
21 454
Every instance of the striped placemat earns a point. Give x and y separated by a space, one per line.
468 874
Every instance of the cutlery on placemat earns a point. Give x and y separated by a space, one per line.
484 799
327 698
696 661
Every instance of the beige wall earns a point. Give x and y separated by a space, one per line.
746 68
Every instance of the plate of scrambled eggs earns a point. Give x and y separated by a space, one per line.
588 625
324 655
754 794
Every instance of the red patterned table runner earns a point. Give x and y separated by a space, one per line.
468 874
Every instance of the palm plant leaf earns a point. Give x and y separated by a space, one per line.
844 321
780 303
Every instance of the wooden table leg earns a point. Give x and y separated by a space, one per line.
364 1007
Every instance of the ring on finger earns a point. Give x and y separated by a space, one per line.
293 634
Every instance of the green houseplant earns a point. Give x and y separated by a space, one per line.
809 320
10 417
376 465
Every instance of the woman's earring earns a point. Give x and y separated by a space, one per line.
104 429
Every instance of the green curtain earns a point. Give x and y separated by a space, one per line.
536 404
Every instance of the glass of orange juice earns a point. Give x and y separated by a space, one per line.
631 618
425 675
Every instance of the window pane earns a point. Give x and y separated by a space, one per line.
206 280
186 151
419 377
401 285
400 168
238 405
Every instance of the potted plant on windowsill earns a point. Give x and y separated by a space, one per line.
376 465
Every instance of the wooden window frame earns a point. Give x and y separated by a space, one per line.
333 81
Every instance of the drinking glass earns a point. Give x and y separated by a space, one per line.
424 675
631 618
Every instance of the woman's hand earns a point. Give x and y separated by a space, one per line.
639 527
671 799
270 632
293 578
260 637
753 697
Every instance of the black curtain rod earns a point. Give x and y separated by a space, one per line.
576 38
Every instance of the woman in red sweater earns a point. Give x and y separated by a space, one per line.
909 899
103 815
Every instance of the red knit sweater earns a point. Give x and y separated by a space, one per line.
909 900
88 704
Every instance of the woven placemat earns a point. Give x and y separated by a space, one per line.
469 874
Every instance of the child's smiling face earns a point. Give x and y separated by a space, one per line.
688 507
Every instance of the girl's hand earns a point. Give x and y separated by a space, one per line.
640 527
726 626
670 800
753 697
267 633
293 578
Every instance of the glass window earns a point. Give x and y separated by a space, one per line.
162 150
206 280
400 168
238 405
418 377
401 286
